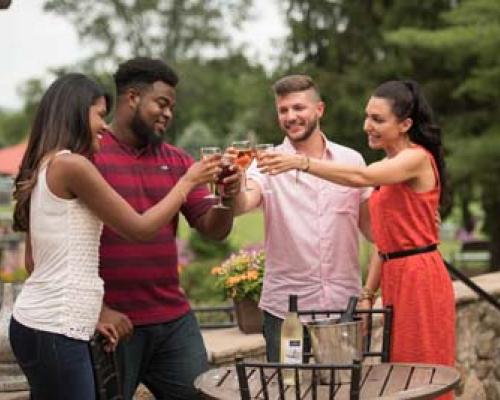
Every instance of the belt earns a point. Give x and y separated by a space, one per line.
406 253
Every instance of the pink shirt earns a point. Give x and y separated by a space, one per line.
311 236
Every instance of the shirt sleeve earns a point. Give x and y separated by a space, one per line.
254 174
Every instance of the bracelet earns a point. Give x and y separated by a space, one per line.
367 294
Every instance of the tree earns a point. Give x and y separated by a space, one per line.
14 125
229 95
218 86
470 99
169 29
342 45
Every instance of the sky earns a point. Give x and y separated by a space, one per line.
32 41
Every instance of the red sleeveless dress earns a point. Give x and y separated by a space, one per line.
418 286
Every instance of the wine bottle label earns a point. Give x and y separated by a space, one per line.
292 351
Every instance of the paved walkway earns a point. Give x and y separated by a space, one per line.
15 396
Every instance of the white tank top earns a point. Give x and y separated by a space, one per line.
64 293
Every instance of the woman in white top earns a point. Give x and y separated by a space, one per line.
61 201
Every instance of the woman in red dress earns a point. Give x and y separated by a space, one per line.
410 184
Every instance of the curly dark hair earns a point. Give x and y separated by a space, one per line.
407 101
141 72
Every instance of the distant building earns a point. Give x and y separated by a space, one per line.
10 160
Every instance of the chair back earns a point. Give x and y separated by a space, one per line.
106 370
266 381
215 317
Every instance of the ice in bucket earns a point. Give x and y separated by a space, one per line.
336 342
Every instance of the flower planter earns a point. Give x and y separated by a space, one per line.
249 316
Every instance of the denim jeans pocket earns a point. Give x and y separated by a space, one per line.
25 343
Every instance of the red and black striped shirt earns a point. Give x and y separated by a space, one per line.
141 279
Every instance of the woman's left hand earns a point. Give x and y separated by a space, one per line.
277 163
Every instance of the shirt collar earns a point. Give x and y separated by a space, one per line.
136 152
328 152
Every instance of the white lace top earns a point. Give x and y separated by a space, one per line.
64 293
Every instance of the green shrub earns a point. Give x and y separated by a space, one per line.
205 248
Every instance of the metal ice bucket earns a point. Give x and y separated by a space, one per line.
335 342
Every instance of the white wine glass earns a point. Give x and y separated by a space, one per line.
260 149
206 152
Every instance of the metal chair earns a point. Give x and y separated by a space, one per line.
387 312
265 380
106 370
215 317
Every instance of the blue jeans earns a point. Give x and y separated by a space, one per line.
272 335
57 367
165 357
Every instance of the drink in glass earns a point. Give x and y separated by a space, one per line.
205 153
244 159
260 149
226 171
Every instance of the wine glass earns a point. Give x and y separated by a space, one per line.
226 171
205 153
244 159
260 149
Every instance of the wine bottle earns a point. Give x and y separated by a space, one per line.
292 340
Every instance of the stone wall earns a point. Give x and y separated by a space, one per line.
478 340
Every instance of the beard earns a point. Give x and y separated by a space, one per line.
309 130
144 133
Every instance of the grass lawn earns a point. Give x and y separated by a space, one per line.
247 229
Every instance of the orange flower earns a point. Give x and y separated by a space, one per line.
216 271
240 276
252 275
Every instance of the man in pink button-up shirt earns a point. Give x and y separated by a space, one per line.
311 225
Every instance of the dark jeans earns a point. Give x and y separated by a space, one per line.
57 367
272 335
165 357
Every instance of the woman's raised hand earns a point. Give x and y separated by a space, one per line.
277 163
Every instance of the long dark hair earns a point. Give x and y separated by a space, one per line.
61 122
408 101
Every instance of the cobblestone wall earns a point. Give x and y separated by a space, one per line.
478 340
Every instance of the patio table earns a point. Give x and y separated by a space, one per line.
378 381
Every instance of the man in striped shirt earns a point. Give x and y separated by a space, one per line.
165 351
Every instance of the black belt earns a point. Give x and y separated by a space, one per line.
406 253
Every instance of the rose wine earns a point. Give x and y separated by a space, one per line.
244 158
